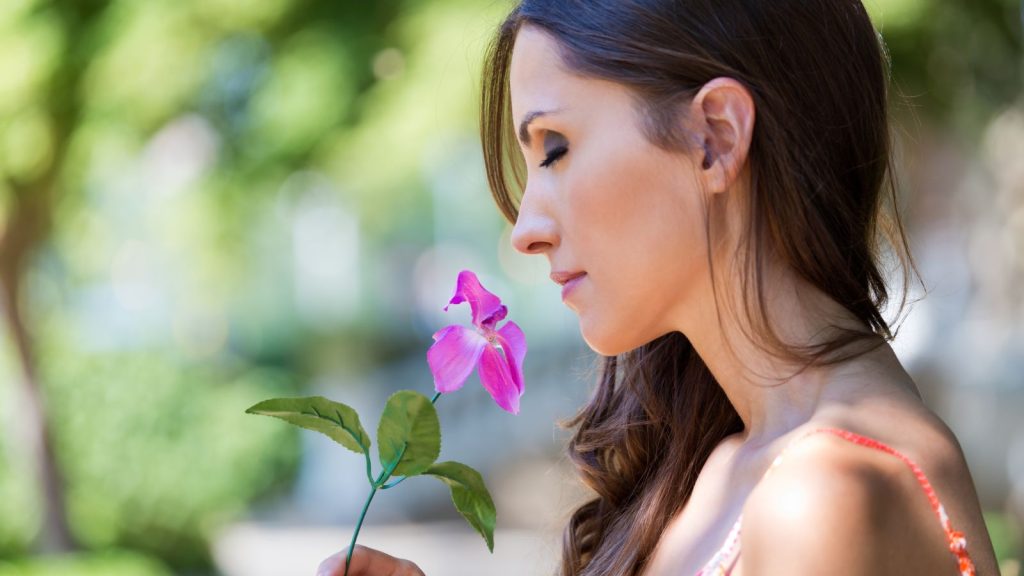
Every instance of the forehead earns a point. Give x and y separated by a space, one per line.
538 79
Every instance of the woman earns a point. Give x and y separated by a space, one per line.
708 180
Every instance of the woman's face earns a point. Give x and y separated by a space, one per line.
614 206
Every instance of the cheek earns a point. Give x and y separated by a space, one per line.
640 234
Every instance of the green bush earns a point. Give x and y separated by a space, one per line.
109 563
156 455
1006 536
19 512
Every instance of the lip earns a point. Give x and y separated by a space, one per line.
568 280
563 277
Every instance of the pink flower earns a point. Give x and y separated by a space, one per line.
498 352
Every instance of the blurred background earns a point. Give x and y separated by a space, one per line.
206 203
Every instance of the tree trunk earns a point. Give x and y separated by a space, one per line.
27 226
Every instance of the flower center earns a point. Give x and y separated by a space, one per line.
491 337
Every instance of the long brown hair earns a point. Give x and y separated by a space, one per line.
820 164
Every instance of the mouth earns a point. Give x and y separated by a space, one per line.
570 285
563 278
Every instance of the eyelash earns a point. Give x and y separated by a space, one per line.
554 156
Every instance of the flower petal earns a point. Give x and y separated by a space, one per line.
453 356
493 319
513 342
497 379
485 306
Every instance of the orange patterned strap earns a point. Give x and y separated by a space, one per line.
957 542
721 564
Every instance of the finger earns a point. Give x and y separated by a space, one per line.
334 564
365 562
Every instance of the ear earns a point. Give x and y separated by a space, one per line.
722 113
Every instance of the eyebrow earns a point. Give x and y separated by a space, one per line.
524 133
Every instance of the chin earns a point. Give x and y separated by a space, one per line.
609 338
606 342
603 350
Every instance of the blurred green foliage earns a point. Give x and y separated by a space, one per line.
956 62
1007 538
171 294
17 505
153 453
108 563
367 100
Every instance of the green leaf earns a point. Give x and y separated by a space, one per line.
470 496
333 419
409 433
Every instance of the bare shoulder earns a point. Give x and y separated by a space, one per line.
836 507
819 512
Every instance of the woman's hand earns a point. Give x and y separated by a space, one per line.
367 562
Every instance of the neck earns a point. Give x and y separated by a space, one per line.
773 395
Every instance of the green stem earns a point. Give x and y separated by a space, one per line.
374 485
391 467
362 516
369 471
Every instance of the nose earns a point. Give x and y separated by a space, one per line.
535 231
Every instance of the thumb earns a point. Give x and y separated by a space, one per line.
365 562
333 565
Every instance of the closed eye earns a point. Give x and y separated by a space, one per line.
554 156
